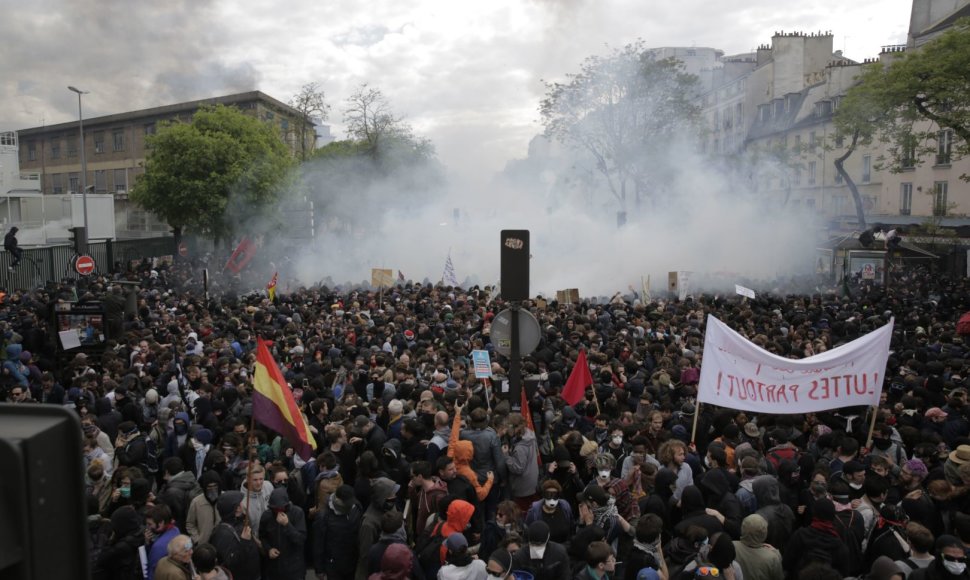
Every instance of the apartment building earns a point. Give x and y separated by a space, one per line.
115 147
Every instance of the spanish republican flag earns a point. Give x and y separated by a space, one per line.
273 403
271 287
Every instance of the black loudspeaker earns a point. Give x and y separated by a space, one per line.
515 265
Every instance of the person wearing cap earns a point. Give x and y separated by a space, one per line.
818 542
598 508
541 557
335 533
956 458
950 562
459 564
131 449
499 565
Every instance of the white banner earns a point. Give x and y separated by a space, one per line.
737 374
746 292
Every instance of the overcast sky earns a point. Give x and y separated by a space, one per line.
466 74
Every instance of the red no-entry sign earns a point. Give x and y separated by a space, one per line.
84 265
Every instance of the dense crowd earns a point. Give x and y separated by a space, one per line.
421 470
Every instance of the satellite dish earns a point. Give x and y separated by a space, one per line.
501 332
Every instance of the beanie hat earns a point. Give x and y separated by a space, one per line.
203 436
824 510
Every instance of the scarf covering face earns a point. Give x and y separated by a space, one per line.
605 515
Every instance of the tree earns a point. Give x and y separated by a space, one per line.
862 116
310 103
197 172
923 92
377 133
623 109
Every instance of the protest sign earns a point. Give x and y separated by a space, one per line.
482 364
568 296
381 277
738 374
746 292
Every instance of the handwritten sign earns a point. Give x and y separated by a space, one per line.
381 277
737 374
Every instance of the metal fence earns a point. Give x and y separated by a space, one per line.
55 263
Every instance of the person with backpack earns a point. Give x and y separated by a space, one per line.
920 540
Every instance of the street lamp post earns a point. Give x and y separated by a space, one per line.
84 164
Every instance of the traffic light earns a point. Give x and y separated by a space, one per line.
79 239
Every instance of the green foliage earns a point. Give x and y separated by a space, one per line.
624 109
906 102
215 173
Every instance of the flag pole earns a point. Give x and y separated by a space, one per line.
595 398
697 411
250 440
872 425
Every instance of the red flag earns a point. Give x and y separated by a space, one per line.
578 381
526 412
241 257
274 406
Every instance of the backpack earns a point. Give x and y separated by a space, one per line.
428 549
777 455
151 455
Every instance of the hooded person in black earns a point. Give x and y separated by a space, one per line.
695 513
282 533
718 495
818 543
233 539
660 501
780 517
119 559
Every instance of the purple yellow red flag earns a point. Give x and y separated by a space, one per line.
271 287
274 406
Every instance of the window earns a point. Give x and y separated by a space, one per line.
840 141
149 129
866 168
269 115
120 180
691 52
944 145
137 219
118 139
810 203
56 148
72 146
939 198
31 151
73 183
812 140
905 198
839 203
99 141
100 181
285 125
798 176
764 113
57 183
907 154
798 143
811 172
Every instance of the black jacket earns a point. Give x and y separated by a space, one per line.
288 539
553 566
239 555
808 545
335 550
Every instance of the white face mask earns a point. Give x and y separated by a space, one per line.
496 576
618 440
604 474
198 446
551 503
855 485
707 461
955 568
537 552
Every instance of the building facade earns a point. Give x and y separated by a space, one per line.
115 148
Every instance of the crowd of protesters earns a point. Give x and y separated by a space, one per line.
422 471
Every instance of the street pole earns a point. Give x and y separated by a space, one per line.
84 163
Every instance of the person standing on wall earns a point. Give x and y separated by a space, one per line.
10 244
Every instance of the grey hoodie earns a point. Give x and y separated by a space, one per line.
780 517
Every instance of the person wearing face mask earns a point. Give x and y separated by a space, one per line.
605 464
383 497
884 445
541 557
553 510
950 562
203 516
179 434
854 474
282 533
616 446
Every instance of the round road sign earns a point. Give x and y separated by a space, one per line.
183 249
84 265
501 332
